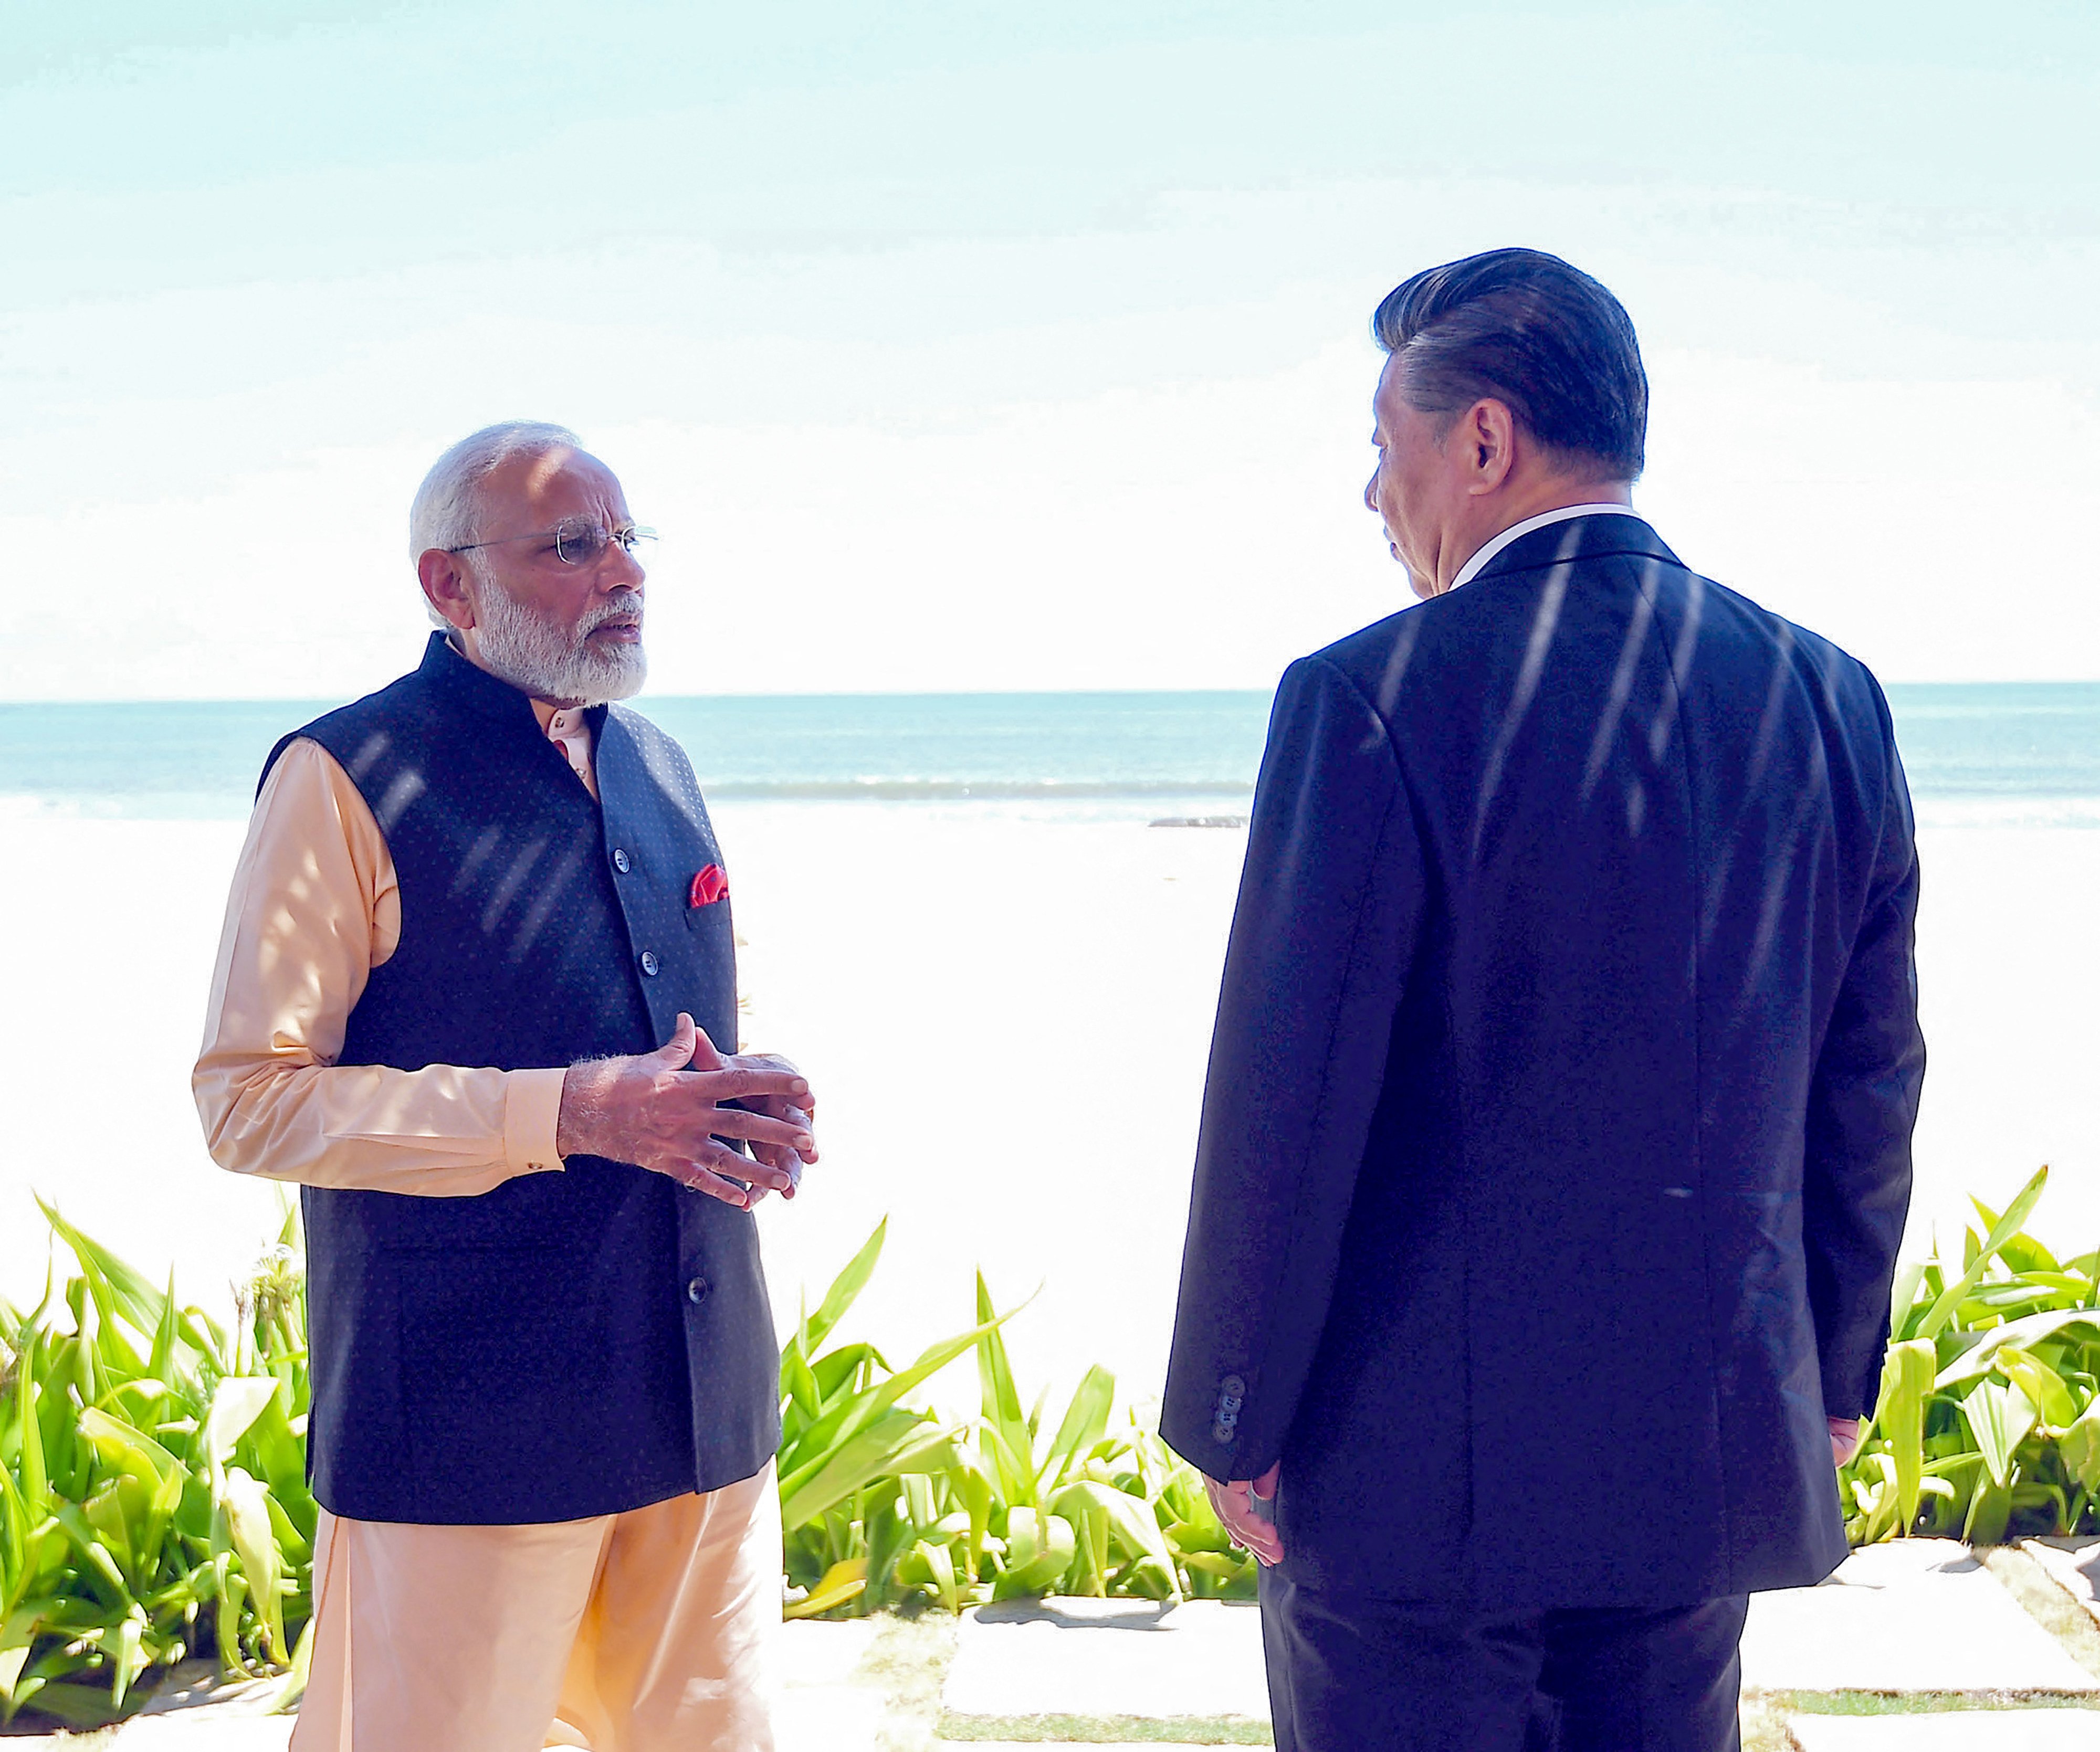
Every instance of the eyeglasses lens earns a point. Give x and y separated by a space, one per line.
581 543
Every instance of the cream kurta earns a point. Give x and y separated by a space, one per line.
639 1632
315 907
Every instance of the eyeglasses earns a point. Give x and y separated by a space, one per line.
576 541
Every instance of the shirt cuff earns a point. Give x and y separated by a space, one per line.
531 1112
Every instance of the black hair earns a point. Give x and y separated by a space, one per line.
1528 329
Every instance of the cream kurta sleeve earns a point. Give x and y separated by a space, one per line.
315 907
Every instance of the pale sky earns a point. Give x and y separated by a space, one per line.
995 347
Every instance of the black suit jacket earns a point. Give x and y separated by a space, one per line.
1556 1145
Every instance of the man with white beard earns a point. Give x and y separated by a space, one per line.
476 995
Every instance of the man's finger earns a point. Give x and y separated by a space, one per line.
706 1057
772 1061
775 1107
678 1051
789 1163
784 1107
739 1083
1232 1504
718 1160
754 1128
715 1186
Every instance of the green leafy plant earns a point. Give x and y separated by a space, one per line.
1987 1426
153 1500
881 1502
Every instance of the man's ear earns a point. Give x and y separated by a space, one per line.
1488 431
443 579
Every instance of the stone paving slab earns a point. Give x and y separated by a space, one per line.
1109 1657
204 1731
1920 1615
1958 1731
824 1718
2074 1565
818 1707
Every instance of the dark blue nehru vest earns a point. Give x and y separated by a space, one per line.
572 1343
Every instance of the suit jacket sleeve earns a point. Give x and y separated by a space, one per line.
1329 902
1862 1107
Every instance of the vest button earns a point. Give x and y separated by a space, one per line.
650 964
620 861
697 1290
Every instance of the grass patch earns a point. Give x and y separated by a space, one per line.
1764 1726
908 1662
1923 1702
1111 1730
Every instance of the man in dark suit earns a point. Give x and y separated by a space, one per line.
1556 1145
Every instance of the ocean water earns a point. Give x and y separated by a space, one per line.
1982 753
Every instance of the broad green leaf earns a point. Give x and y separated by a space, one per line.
2001 1231
845 1289
2043 1387
1906 1375
2026 1332
2080 1447
1039 1550
885 1448
36 1486
1999 1418
235 1403
244 1504
843 1581
131 1291
1084 1421
798 1385
160 1366
1989 1511
73 1523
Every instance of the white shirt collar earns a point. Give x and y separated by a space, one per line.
1471 569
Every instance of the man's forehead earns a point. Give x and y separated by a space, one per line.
1387 393
563 478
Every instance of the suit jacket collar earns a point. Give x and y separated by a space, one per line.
468 685
1591 537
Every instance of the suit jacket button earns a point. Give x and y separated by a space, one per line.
650 964
697 1290
620 861
1221 1433
1232 1387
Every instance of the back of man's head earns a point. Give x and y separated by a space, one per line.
1531 332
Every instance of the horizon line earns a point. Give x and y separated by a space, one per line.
870 693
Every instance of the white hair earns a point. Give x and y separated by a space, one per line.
446 513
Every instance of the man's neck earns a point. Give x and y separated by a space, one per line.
1557 494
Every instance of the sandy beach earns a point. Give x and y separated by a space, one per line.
1006 1018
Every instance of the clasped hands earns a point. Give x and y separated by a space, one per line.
666 1111
1246 1505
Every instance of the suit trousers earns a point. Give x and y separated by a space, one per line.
636 1632
1349 1672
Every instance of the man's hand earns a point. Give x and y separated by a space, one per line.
796 1110
1844 1438
652 1111
1243 1506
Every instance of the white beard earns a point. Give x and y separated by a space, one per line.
551 663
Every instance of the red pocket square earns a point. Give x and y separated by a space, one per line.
709 886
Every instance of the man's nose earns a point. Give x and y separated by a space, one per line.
622 571
1370 492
